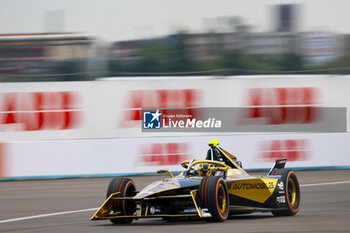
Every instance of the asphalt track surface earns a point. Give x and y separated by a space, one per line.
325 207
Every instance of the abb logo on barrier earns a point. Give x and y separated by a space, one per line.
160 154
33 111
283 105
138 99
291 149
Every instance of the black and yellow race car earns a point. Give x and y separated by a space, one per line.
211 189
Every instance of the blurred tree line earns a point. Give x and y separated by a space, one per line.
173 58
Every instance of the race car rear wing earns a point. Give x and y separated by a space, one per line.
279 164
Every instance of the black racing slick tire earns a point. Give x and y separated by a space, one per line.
127 188
291 193
213 194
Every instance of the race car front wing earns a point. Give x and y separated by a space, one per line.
147 207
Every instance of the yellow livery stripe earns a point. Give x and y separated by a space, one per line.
258 190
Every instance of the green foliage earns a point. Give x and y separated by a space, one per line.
244 63
153 58
291 62
343 61
340 65
157 57
172 56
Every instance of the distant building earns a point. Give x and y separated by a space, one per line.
130 49
211 45
347 44
320 47
272 44
126 50
43 53
204 45
286 17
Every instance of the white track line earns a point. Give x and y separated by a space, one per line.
91 209
328 183
46 215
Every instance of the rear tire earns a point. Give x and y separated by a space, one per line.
291 193
127 188
213 195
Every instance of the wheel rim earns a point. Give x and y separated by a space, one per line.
292 192
222 199
129 206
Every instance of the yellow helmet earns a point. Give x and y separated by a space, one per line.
205 169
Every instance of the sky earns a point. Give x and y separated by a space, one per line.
115 20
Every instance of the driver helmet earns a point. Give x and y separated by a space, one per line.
204 169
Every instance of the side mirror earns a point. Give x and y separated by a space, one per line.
166 171
184 164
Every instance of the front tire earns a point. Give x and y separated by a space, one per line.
213 195
127 188
291 193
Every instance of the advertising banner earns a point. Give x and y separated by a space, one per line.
112 157
113 108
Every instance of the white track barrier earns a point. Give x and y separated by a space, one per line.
112 109
107 157
39 120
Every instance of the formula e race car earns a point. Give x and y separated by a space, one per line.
211 189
